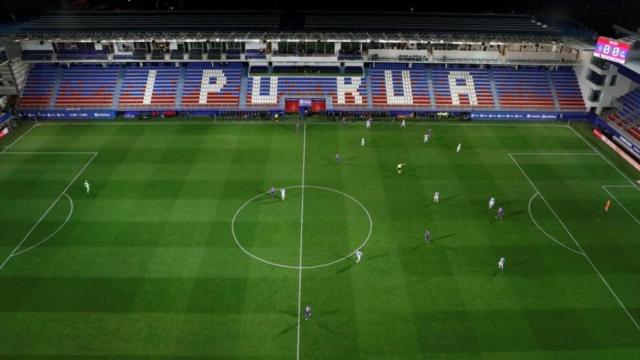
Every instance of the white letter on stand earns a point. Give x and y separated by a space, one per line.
207 87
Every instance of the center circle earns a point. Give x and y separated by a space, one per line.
334 226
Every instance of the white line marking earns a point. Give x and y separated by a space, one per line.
167 123
604 187
49 153
620 186
304 154
602 156
307 267
18 139
586 256
544 232
557 153
47 211
285 122
53 233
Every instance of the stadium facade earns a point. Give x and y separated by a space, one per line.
103 65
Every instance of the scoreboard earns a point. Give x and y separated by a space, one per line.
612 50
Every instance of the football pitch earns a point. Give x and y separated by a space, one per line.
180 252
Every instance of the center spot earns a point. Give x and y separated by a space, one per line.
335 226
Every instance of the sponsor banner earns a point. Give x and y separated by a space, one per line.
515 115
617 136
71 114
627 144
618 150
305 102
4 132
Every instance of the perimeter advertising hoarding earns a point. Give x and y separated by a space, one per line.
69 114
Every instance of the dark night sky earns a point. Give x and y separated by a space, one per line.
598 15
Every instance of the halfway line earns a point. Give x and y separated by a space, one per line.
304 152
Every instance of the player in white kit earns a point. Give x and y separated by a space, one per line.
492 202
403 123
283 193
358 256
87 186
501 264
436 197
362 142
425 138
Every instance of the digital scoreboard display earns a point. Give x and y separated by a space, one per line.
612 50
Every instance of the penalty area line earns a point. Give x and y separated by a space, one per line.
547 234
53 233
44 215
595 150
604 187
586 256
18 139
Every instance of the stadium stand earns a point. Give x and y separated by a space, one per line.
398 86
162 82
40 86
471 88
627 116
208 85
567 89
387 62
87 86
523 89
385 86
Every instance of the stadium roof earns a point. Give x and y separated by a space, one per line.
229 25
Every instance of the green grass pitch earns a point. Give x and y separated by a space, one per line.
148 264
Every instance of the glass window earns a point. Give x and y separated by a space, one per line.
596 78
600 64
